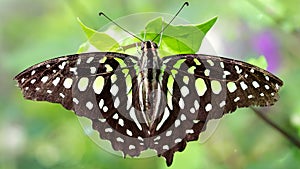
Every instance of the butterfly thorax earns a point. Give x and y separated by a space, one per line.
148 81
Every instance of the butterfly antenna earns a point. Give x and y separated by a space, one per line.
185 4
102 14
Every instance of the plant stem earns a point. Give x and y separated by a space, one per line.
287 135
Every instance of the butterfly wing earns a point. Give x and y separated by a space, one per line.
209 87
49 81
99 86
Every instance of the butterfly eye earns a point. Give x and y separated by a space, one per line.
142 46
154 45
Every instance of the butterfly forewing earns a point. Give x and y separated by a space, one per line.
49 81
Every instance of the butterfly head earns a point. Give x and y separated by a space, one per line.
148 45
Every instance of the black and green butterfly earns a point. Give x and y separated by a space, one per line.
148 102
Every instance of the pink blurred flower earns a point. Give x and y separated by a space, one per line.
265 43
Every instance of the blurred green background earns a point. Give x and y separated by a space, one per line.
43 135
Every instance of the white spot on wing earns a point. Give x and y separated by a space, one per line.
134 118
101 103
181 103
129 101
189 131
121 122
169 133
44 79
243 85
33 81
115 116
164 118
33 72
61 95
128 132
166 147
89 105
56 81
184 91
222 104
196 104
93 70
255 84
114 89
169 100
105 109
277 86
208 107
182 117
231 87
90 59
62 66
192 110
119 139
210 62
108 130
267 78
116 102
83 84
238 69
131 147
78 61
68 83
226 73
75 100
206 72
267 87
178 140
222 64
236 99
156 138
74 70
177 123
186 80
216 86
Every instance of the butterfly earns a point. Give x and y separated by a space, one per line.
149 102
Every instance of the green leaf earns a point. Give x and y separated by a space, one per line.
259 62
178 39
175 39
83 47
99 40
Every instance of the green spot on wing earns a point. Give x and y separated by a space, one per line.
121 62
170 83
178 63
